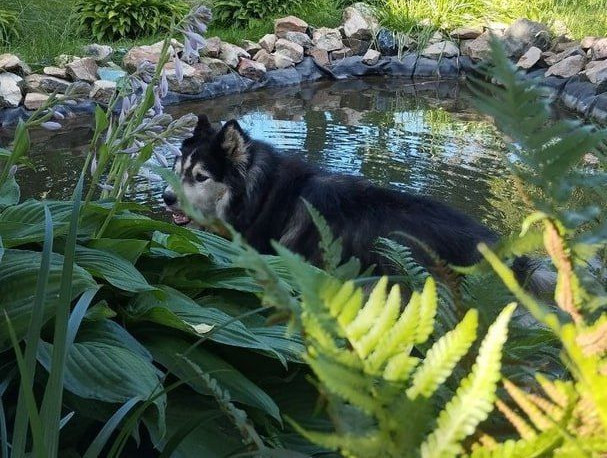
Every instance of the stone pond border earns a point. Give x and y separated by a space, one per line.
575 72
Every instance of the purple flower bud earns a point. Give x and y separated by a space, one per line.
58 115
164 85
173 149
131 149
161 159
12 171
200 26
50 125
178 69
158 109
106 187
94 164
195 40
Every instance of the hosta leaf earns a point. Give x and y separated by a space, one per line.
24 223
129 249
19 272
9 193
114 269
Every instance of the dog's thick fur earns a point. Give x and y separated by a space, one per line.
245 182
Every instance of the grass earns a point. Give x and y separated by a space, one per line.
49 27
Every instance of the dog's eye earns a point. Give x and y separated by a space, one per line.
200 177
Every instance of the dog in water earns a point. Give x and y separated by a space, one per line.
227 175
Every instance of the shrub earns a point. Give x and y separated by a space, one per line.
113 19
240 12
8 26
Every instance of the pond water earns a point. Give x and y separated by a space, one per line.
425 138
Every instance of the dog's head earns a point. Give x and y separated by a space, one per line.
212 160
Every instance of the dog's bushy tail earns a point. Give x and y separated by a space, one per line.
535 276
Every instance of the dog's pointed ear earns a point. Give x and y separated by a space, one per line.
203 127
234 142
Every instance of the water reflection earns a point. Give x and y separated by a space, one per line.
422 138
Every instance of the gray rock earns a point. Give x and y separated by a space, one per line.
84 69
251 47
10 90
530 58
371 57
320 56
327 39
436 37
341 54
441 49
268 41
217 66
567 67
251 69
203 70
11 63
587 42
231 54
45 83
35 100
101 53
57 72
148 53
523 34
63 59
301 39
358 47
192 82
596 72
268 60
289 49
102 91
556 58
599 49
79 89
289 24
358 25
466 33
386 42
563 44
282 61
477 49
212 48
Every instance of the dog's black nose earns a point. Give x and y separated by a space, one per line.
169 197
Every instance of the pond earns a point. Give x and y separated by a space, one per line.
424 138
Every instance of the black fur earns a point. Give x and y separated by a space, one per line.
267 191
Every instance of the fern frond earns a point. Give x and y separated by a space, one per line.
593 339
427 311
370 312
399 367
541 445
556 391
402 258
474 398
330 247
537 418
443 356
552 410
525 430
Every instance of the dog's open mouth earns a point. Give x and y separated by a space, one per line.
180 218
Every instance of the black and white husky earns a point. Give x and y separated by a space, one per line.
226 174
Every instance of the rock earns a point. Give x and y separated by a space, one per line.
111 73
84 69
436 37
268 60
599 49
356 25
57 72
11 63
289 49
386 42
556 58
341 54
367 12
562 45
251 47
567 67
10 90
192 82
466 33
34 100
150 53
596 72
530 58
79 89
358 47
268 42
441 49
301 39
101 53
204 70
103 91
231 54
320 56
283 61
523 34
371 57
477 49
45 83
289 24
63 59
217 66
251 69
587 42
327 39
212 48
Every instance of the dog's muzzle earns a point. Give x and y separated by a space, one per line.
170 200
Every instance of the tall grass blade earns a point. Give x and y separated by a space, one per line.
101 439
77 315
3 431
30 401
53 395
33 336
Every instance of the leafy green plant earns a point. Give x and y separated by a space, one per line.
113 19
241 12
8 26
